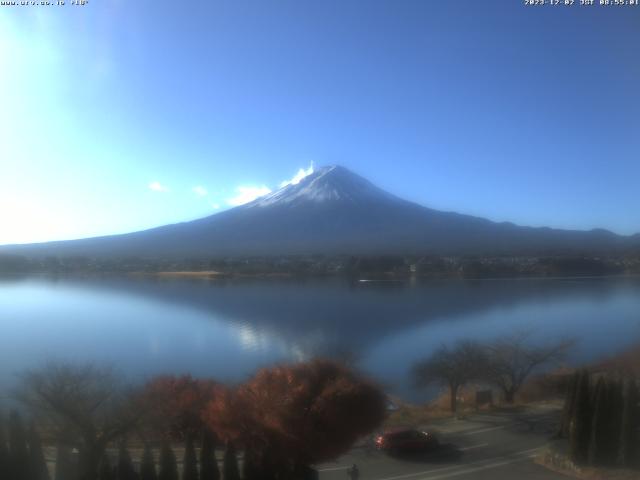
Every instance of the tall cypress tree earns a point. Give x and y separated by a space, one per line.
148 465
18 451
37 463
270 466
230 464
614 420
251 465
599 424
628 444
580 426
208 464
4 451
105 469
569 405
190 461
125 464
64 465
168 464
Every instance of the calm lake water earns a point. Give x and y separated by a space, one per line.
227 329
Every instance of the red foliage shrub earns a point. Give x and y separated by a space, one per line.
303 414
176 404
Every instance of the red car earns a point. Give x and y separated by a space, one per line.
406 441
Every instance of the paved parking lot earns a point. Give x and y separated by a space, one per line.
482 446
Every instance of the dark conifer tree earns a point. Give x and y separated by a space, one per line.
125 464
64 464
230 464
614 420
270 467
599 425
208 464
4 451
628 445
168 464
190 461
580 426
148 465
37 464
251 465
18 451
106 471
569 404
305 472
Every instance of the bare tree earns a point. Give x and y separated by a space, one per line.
85 406
513 358
453 367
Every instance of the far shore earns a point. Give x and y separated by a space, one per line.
206 274
195 274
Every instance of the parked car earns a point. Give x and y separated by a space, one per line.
406 441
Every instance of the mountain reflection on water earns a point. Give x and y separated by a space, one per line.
228 328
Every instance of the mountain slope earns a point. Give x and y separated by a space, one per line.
334 211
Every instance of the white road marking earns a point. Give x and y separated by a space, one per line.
473 446
479 463
480 431
332 469
478 469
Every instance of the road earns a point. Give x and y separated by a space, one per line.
496 446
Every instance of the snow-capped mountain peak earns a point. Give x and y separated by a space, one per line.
328 184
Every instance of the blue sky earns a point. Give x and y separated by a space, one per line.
118 116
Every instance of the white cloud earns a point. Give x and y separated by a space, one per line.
298 176
246 194
200 191
215 206
158 187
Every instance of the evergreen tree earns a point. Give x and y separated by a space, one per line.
230 464
305 472
125 464
168 464
148 465
18 452
628 444
569 404
599 426
37 463
614 421
580 426
270 467
251 465
190 462
208 464
64 465
4 452
106 470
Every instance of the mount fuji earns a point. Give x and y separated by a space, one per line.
335 211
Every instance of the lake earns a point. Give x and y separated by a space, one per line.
227 329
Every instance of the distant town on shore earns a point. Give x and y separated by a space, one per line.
367 266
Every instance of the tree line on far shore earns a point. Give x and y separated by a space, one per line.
368 266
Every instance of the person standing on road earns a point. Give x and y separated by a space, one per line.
353 472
